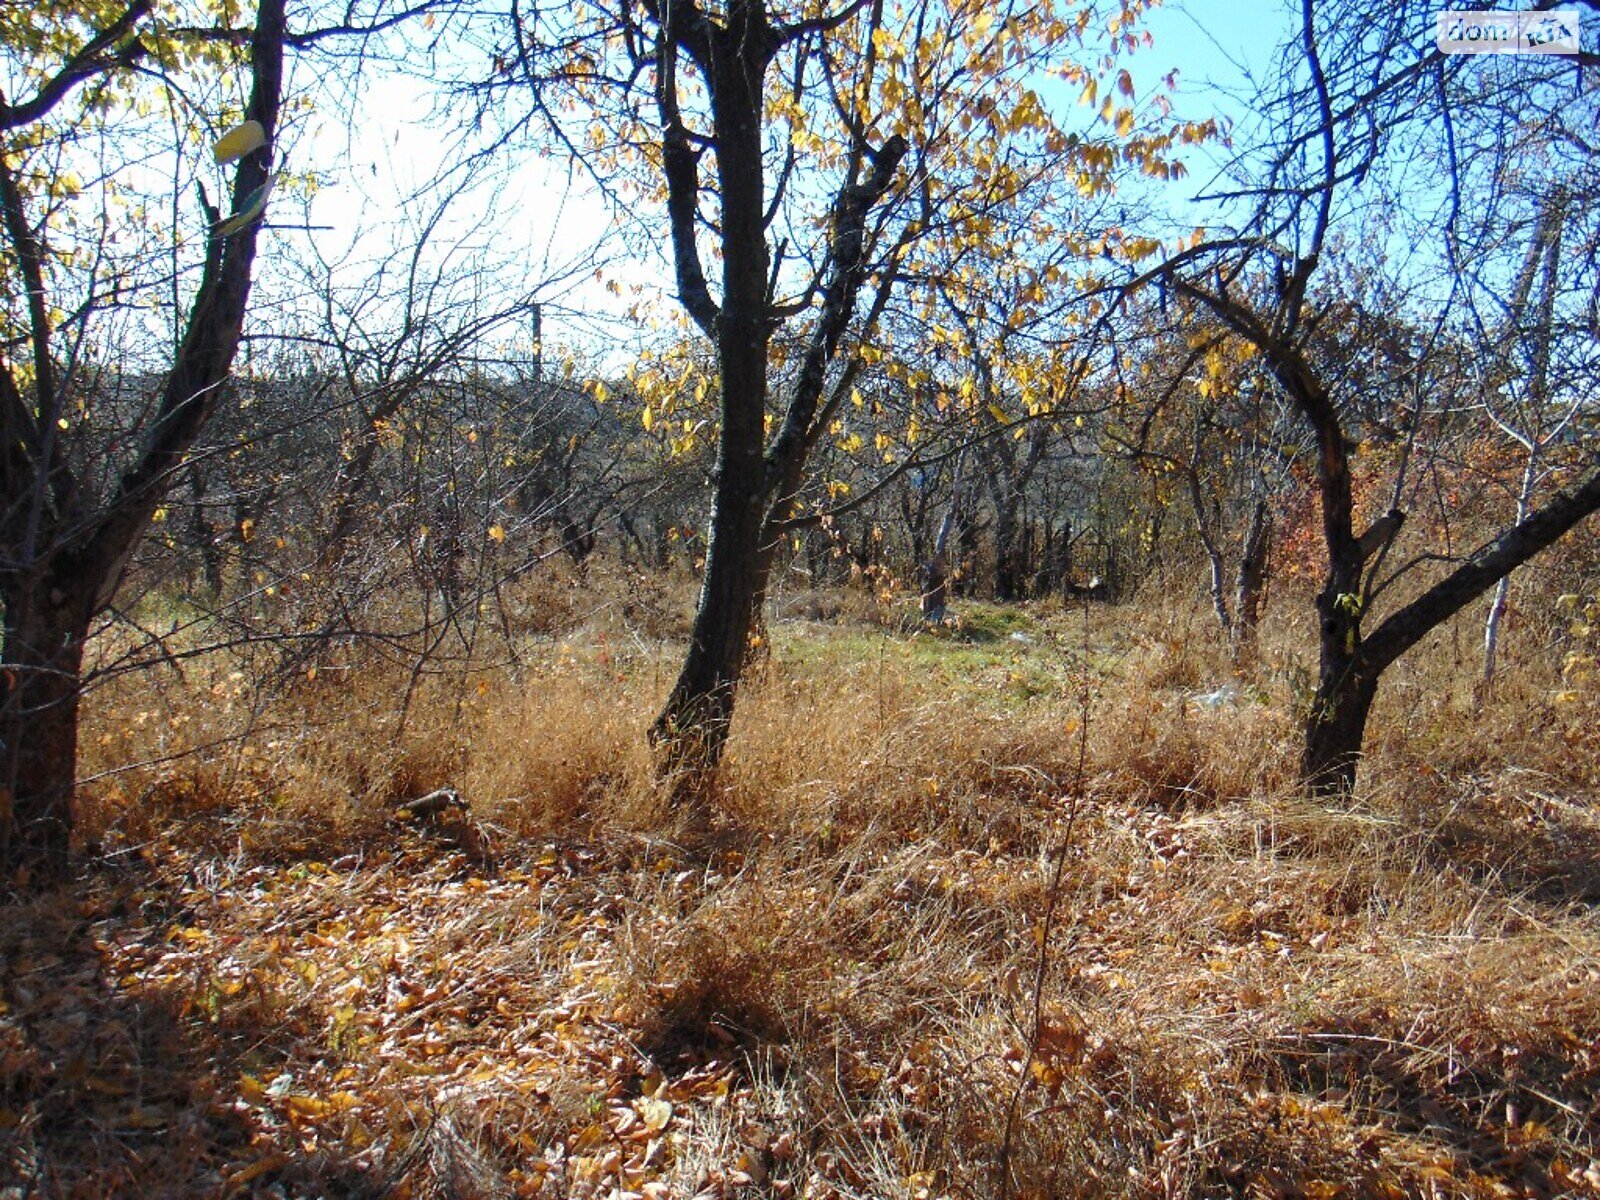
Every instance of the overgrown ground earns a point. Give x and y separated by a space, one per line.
274 979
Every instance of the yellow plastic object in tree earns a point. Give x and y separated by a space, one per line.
239 141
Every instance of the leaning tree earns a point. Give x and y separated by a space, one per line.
124 307
1422 167
72 266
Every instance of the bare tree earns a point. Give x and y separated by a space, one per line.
1356 108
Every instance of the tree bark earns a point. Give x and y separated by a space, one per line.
1337 726
1218 587
1010 558
755 485
42 656
1250 593
1352 666
692 728
1064 564
66 565
1502 590
1346 682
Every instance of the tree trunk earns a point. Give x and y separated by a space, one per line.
1491 629
755 486
1252 582
42 654
936 571
1219 590
1347 679
1064 563
1043 573
207 538
1114 581
935 590
692 730
1337 724
966 556
1208 522
1010 566
68 564
1502 591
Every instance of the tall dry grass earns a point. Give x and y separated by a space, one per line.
1245 993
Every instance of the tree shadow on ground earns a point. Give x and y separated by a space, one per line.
1506 1124
1544 847
110 1088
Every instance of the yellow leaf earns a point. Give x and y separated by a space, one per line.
647 417
309 1106
654 1113
497 533
589 1138
235 1181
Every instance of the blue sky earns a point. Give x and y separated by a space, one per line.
1210 43
1209 40
1215 47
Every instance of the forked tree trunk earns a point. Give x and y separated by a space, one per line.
66 566
1351 665
756 485
692 728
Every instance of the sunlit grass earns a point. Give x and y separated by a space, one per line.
1245 992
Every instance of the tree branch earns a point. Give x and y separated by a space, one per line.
86 62
205 357
680 163
838 302
1482 570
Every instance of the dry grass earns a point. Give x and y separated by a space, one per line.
267 983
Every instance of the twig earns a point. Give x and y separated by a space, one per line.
1053 897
